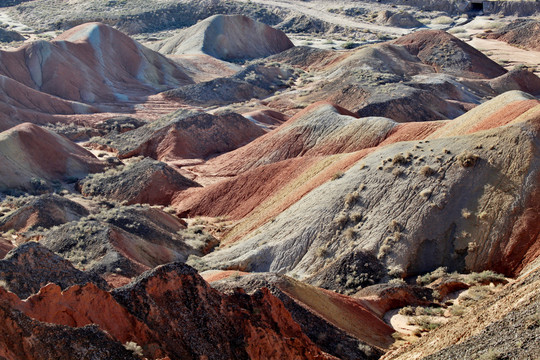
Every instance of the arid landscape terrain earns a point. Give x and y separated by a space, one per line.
285 179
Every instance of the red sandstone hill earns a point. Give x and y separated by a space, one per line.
32 157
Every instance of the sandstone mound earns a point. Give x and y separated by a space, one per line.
227 37
521 32
251 83
387 80
30 266
400 19
321 312
449 54
44 211
439 225
146 181
32 156
186 134
124 241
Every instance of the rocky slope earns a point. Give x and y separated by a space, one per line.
341 215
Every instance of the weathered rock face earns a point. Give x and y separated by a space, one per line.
147 181
24 338
82 305
186 134
193 319
429 220
448 54
227 37
31 156
44 211
30 266
313 309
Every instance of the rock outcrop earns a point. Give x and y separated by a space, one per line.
449 54
124 241
29 267
227 37
194 320
521 33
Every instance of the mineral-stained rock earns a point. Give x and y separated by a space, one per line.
24 338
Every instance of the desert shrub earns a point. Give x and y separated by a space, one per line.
425 323
341 219
349 233
465 213
491 354
426 170
349 45
457 310
399 159
351 198
432 276
338 175
356 217
442 20
485 277
407 311
321 251
467 159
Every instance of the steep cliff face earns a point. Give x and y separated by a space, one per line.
193 320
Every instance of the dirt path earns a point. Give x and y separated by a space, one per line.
502 52
318 10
